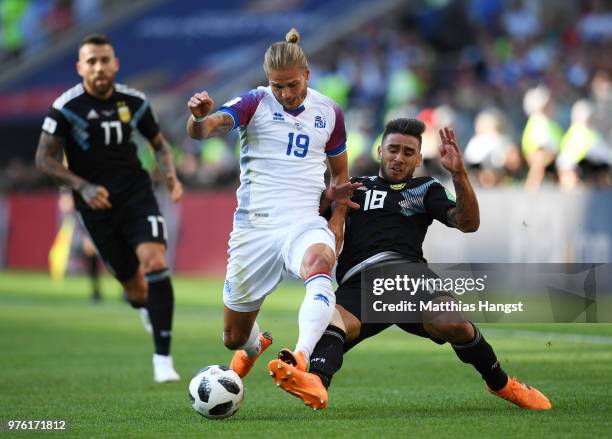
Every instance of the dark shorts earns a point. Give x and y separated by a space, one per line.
348 295
117 232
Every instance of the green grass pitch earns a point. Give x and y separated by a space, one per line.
62 357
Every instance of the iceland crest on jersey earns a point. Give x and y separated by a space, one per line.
319 122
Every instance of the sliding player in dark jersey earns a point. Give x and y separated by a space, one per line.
93 123
390 225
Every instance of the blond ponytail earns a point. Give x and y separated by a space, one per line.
293 36
286 54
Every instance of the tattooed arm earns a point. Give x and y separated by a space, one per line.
217 124
200 125
466 215
47 162
165 162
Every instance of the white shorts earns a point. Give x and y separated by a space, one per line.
260 258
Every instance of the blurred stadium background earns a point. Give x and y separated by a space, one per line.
526 84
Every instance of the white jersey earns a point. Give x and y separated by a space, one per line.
282 155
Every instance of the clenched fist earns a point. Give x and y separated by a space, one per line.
200 104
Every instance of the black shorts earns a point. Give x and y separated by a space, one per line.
348 295
117 232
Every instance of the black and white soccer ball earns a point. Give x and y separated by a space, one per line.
216 392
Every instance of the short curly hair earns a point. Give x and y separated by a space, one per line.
410 127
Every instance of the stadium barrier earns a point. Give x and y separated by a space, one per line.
548 226
518 226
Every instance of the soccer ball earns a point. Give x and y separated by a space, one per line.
216 392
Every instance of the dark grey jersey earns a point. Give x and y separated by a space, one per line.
392 219
98 137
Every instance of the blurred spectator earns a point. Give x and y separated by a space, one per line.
444 60
601 95
596 25
435 119
521 20
429 144
59 18
486 13
584 153
492 152
211 162
12 35
87 11
541 137
334 85
359 124
404 86
35 33
218 162
28 26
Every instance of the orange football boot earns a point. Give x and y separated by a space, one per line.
524 396
306 386
297 359
242 363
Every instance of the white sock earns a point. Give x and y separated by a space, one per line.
253 344
316 311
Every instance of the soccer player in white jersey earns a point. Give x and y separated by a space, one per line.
287 132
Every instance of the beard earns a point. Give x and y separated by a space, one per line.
101 88
385 176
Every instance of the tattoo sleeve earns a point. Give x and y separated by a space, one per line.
163 155
466 215
48 161
216 124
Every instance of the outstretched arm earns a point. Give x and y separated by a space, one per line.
47 162
200 125
165 162
466 215
339 191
